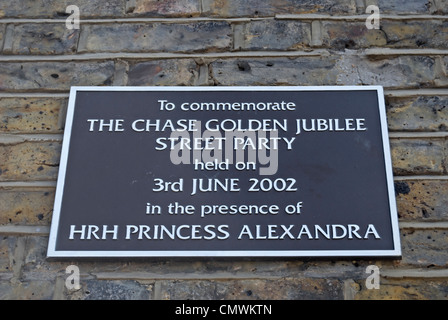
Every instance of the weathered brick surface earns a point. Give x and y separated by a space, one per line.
406 6
222 8
389 72
167 8
252 8
404 289
217 36
341 35
440 7
423 113
445 68
418 156
163 72
27 290
157 37
416 34
398 72
422 200
5 261
57 8
31 115
111 290
54 76
252 289
270 35
424 247
44 39
25 206
2 33
29 161
393 34
275 71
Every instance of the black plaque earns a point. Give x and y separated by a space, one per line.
225 171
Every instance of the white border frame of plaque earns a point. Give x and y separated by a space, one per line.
393 253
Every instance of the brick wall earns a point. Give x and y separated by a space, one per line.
222 42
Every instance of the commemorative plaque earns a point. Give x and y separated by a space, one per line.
225 172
